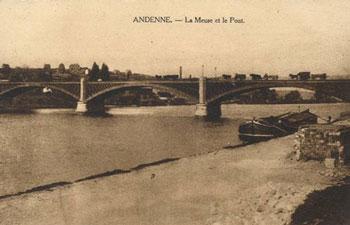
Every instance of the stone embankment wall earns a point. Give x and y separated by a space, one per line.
328 143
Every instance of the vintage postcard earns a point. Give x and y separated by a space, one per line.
174 112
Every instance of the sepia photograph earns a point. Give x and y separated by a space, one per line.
174 112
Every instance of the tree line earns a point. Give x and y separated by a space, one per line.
270 96
46 73
97 74
73 73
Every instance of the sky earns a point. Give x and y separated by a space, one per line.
278 37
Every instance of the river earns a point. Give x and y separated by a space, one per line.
54 145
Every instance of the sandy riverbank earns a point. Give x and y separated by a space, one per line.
256 184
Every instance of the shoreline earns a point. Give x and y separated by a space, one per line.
50 186
253 184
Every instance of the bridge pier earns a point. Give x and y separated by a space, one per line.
203 109
90 107
208 110
83 106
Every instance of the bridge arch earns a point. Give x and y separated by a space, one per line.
105 93
23 87
261 85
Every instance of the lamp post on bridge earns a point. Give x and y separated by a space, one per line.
201 108
202 88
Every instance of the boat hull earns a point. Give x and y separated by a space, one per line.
254 131
272 127
255 137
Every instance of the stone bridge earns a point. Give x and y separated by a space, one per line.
206 93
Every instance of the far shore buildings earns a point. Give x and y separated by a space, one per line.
62 73
77 69
25 73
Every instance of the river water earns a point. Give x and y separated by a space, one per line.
54 145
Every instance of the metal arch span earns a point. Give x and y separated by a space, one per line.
69 88
336 88
215 91
98 89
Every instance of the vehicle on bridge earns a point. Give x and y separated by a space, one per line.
293 76
274 126
270 77
255 76
322 76
240 76
300 76
304 75
226 76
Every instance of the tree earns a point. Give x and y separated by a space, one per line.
264 95
321 96
47 67
128 74
293 97
93 76
104 73
6 69
46 73
75 69
61 68
16 75
269 95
